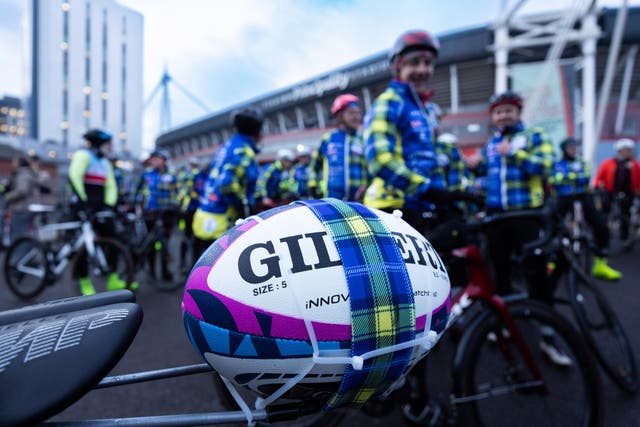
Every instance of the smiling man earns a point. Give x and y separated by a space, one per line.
399 133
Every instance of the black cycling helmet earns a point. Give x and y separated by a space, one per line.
160 153
248 120
569 142
97 137
414 40
509 97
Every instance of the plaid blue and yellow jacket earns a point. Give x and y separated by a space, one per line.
232 176
301 177
190 190
338 166
453 166
275 183
157 190
516 181
570 176
400 150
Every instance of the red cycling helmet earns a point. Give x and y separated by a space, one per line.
414 40
509 97
342 102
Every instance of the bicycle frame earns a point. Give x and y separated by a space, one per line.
480 288
56 263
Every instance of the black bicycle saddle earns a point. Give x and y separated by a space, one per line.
52 354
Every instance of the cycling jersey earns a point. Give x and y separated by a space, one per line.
92 179
450 160
275 182
191 188
301 178
570 176
230 185
605 177
339 166
516 181
157 190
400 149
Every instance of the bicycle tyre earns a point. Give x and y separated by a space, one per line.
319 419
120 262
25 252
602 330
503 396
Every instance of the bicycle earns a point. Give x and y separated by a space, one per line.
31 263
594 316
498 368
582 244
146 248
110 321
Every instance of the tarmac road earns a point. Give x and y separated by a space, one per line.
162 342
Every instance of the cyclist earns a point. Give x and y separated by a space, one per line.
338 166
619 179
94 188
570 181
230 186
156 194
191 186
399 133
275 183
122 181
23 187
302 172
514 166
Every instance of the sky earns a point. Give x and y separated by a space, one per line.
229 52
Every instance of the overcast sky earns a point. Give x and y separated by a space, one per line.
227 52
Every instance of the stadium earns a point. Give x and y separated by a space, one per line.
466 75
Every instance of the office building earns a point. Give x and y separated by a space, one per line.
12 117
86 72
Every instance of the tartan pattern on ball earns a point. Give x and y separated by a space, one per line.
380 293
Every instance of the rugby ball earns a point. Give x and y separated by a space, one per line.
247 298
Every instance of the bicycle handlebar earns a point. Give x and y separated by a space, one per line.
542 215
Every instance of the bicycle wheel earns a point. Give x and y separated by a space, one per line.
602 329
111 267
317 419
493 385
25 267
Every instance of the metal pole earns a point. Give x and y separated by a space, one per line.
590 26
453 82
167 420
624 91
299 118
501 43
609 73
320 114
139 377
501 57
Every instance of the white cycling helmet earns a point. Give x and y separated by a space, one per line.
448 138
285 154
303 150
623 143
286 300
